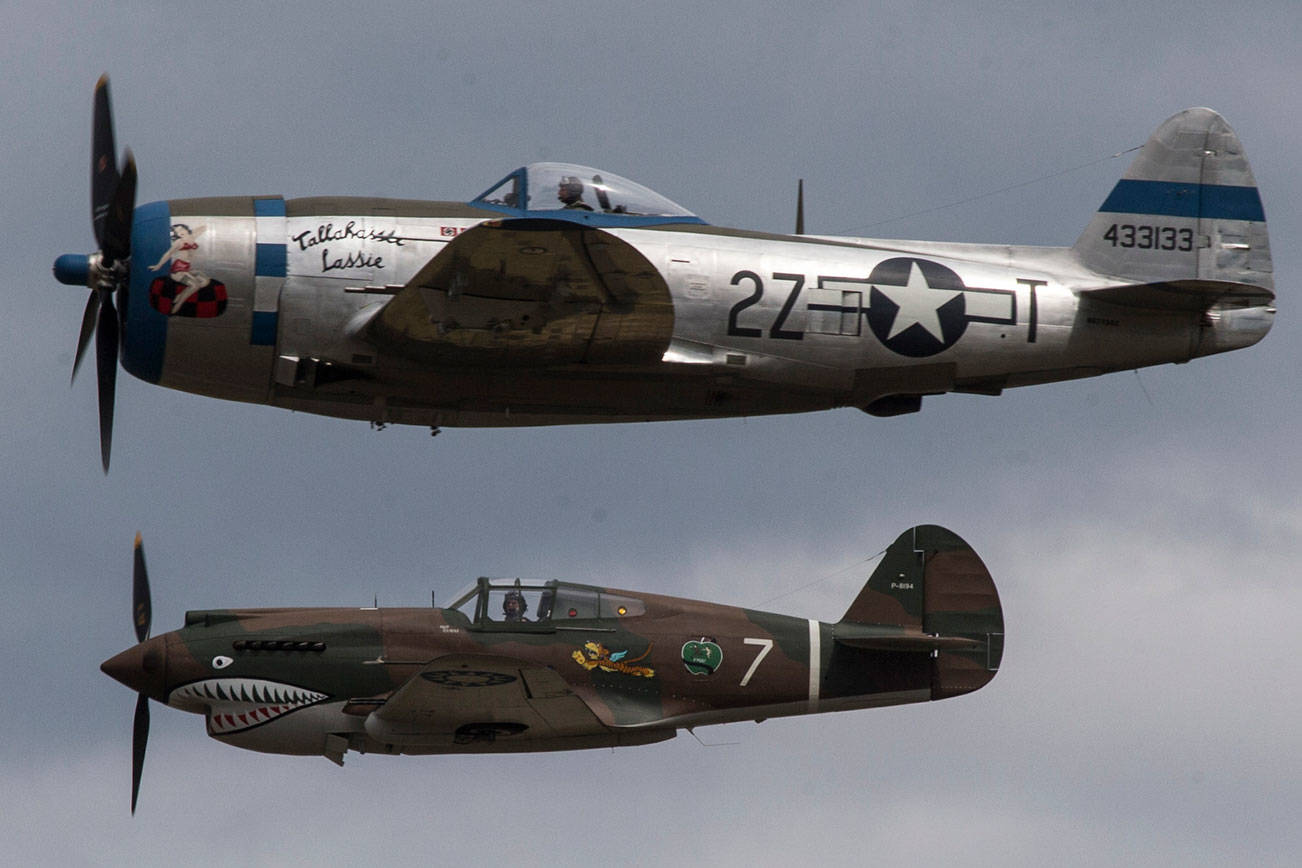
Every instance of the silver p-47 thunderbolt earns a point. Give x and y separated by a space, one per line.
565 294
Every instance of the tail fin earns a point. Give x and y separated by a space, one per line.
1184 225
931 594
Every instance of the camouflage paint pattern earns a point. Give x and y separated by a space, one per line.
593 667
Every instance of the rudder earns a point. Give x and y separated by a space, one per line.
931 593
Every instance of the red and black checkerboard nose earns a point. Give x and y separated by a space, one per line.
171 298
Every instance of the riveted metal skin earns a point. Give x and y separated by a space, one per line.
492 314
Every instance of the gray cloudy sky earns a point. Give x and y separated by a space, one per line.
1143 531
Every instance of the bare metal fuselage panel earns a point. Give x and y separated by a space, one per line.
441 313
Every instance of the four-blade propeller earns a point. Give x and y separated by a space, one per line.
106 272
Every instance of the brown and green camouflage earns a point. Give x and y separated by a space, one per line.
575 666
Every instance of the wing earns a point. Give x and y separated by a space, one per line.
531 292
475 699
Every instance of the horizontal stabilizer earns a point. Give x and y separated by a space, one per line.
876 639
1183 294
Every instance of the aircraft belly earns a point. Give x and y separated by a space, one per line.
302 732
540 720
218 365
795 709
514 744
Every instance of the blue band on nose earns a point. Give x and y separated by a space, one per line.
146 328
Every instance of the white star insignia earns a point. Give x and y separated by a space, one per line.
917 303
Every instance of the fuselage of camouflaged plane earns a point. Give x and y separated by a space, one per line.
518 665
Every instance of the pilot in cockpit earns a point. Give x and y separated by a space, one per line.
514 606
570 192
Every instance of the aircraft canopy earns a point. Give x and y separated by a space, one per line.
543 602
580 194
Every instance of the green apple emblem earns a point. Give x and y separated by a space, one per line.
702 656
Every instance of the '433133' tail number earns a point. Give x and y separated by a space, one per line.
1146 237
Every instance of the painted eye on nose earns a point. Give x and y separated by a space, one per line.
221 662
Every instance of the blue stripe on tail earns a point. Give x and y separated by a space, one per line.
1175 199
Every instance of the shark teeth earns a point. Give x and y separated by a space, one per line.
235 704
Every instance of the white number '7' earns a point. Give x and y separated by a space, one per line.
765 646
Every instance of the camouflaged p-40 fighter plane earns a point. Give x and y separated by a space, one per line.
532 666
565 294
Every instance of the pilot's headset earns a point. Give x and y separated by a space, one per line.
571 189
514 596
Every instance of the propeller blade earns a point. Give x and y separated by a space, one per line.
141 608
116 241
113 203
139 738
88 318
106 359
103 159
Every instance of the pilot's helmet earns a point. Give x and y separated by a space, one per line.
570 189
514 604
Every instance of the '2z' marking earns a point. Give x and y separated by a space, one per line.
776 330
753 298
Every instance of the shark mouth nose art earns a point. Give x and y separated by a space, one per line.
237 704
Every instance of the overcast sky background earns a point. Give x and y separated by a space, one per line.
1143 531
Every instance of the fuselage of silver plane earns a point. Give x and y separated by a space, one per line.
522 308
